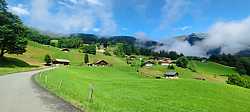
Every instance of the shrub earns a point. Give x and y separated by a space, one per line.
182 62
239 81
171 67
107 53
86 58
90 49
47 59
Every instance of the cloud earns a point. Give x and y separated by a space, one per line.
19 10
71 16
172 11
184 28
231 36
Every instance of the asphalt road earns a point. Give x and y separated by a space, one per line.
18 93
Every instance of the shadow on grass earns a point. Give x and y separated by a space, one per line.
13 62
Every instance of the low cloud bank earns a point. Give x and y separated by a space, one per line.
231 36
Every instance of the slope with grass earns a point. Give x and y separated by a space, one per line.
123 90
34 58
36 52
211 68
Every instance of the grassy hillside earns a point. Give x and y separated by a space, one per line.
36 52
210 71
34 58
211 68
123 90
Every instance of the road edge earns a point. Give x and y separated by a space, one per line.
51 93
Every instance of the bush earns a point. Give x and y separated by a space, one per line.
86 58
171 67
47 59
107 53
182 62
239 81
90 49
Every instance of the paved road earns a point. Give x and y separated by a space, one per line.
18 93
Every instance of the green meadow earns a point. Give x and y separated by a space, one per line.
118 89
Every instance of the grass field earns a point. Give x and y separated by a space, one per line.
34 58
36 52
12 65
211 68
123 90
210 71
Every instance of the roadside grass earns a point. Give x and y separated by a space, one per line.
13 65
123 90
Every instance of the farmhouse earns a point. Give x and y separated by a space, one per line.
101 63
61 61
148 64
171 75
165 62
65 49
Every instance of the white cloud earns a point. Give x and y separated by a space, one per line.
73 16
231 36
19 10
173 10
95 2
185 28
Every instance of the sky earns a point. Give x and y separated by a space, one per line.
147 19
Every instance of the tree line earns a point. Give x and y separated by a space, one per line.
12 32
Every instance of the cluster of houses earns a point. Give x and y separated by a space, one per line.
162 61
67 62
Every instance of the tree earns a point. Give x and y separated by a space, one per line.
182 62
54 43
119 51
3 5
47 59
12 32
90 49
86 58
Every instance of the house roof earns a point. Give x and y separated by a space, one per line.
62 60
171 73
148 62
99 61
65 49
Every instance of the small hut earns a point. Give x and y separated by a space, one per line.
165 62
171 75
65 50
61 61
101 63
148 64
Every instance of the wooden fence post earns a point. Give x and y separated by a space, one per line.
91 92
60 84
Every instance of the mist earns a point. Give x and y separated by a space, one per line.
231 36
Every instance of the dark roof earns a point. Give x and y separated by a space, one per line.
65 49
148 62
101 62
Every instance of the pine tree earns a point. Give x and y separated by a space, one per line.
86 58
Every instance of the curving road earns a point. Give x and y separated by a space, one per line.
18 93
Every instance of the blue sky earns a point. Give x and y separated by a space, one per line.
149 19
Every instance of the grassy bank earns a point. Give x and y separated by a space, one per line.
123 90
